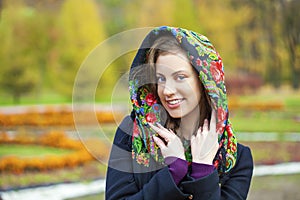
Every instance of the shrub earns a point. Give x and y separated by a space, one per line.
243 83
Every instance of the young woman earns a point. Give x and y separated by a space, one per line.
178 142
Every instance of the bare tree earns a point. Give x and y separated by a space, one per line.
291 36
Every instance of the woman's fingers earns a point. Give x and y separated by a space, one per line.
163 128
160 126
213 121
173 148
205 126
205 143
159 142
163 132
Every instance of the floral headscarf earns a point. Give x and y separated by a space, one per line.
208 63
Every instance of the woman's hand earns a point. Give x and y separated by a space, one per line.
205 144
171 146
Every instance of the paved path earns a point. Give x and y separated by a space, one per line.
56 192
279 169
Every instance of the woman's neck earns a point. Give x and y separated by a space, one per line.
189 124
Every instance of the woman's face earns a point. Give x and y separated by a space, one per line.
178 85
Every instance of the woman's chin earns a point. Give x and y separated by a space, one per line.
175 115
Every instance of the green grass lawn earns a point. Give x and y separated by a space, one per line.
265 121
286 119
30 150
47 97
275 187
52 97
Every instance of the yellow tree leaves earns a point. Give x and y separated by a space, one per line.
18 74
81 29
221 22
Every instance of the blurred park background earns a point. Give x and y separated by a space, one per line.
43 44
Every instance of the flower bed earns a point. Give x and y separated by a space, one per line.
269 153
57 139
257 105
51 117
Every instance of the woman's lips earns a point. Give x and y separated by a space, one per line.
174 103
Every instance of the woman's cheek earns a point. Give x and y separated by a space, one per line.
159 91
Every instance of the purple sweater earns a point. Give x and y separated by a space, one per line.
179 168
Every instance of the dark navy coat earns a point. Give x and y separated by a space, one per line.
128 180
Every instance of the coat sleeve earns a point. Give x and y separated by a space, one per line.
120 179
205 188
236 184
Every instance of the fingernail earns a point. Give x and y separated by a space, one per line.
150 124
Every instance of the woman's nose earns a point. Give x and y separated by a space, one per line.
169 88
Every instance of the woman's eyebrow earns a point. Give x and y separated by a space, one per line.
157 73
178 72
174 73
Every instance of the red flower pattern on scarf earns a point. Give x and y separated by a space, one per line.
199 62
135 130
151 117
216 71
150 99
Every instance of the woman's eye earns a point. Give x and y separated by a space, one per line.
181 77
160 79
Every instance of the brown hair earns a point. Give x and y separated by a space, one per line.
167 45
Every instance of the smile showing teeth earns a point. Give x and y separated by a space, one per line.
175 101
